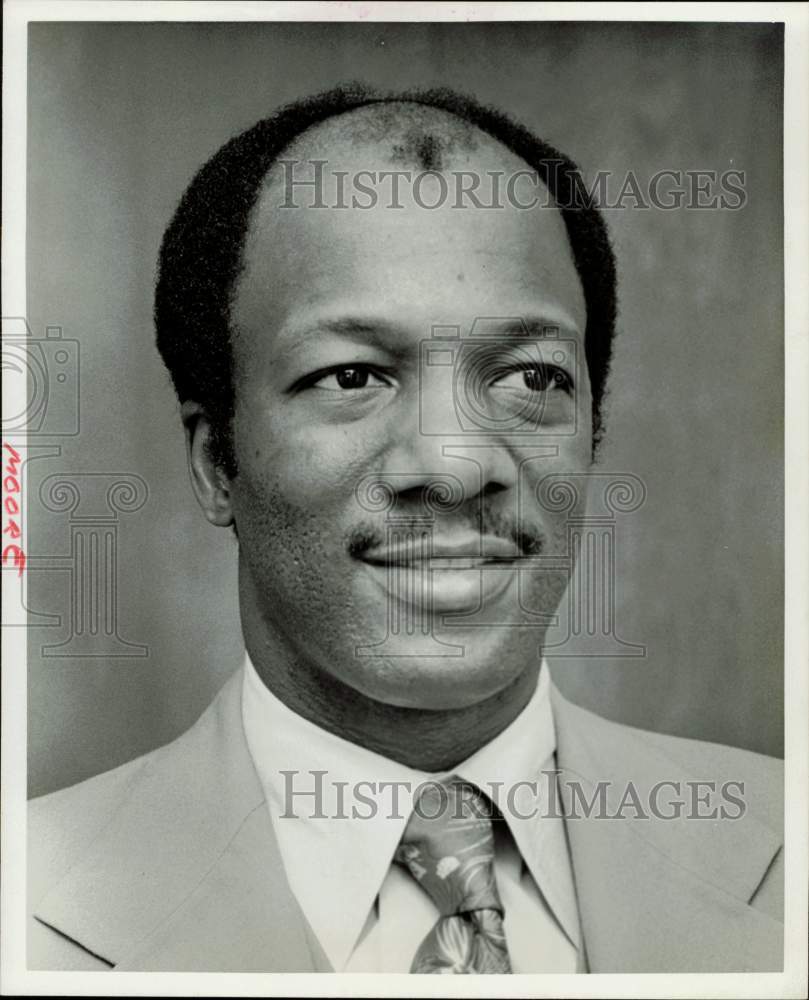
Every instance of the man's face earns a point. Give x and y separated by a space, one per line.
388 500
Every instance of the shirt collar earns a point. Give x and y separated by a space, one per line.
339 809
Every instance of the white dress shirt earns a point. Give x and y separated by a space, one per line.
367 912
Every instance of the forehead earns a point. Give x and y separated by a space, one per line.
416 252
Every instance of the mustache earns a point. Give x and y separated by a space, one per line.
529 541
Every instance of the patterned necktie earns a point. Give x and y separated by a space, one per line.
448 847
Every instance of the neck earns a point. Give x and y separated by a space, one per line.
424 739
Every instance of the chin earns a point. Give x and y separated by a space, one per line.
437 683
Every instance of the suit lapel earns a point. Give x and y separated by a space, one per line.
240 918
659 895
188 875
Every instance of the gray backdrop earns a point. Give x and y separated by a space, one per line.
121 115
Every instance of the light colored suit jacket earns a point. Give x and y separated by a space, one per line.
170 863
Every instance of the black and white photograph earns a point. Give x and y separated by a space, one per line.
404 499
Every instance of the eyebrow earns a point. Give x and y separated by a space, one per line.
375 328
352 325
535 327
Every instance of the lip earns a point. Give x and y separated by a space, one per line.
417 545
440 576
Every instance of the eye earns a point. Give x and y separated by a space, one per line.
535 378
344 378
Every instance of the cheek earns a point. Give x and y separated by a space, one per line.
315 468
553 495
294 499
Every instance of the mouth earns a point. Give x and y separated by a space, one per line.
443 575
462 552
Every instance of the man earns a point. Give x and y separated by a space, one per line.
384 392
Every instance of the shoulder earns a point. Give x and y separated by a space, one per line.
62 823
61 826
756 778
712 780
760 776
103 823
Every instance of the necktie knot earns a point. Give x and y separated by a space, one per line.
448 847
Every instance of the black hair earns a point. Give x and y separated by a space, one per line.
202 249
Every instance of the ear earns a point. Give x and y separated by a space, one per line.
211 485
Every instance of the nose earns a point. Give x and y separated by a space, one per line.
433 459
